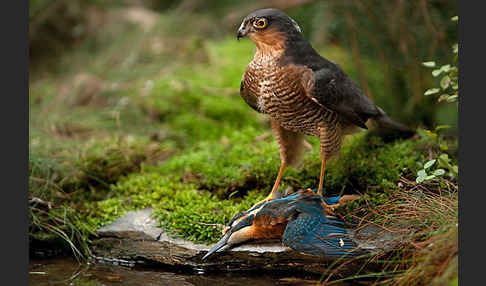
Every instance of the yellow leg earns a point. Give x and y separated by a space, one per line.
329 208
272 194
323 169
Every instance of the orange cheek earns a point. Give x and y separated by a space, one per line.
268 229
271 232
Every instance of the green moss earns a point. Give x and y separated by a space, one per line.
230 163
368 162
180 208
241 162
210 183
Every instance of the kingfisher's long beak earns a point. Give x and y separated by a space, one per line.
220 244
239 231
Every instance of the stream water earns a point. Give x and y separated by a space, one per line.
67 271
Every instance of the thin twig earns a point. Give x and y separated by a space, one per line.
211 224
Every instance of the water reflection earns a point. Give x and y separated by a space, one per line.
66 271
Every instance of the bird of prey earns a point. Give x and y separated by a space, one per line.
298 219
302 92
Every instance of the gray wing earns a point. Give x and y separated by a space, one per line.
329 84
336 91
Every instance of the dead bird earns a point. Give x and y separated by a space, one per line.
299 220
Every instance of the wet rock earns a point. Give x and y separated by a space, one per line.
136 237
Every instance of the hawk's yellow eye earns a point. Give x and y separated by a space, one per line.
260 23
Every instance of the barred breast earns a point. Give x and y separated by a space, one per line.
279 92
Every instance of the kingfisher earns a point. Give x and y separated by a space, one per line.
299 220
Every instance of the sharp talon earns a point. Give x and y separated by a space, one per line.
329 208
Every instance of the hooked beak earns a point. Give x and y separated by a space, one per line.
220 244
242 32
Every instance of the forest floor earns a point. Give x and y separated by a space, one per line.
136 116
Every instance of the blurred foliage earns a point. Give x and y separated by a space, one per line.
449 92
396 35
449 83
441 154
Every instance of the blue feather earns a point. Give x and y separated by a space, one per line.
312 232
309 229
328 200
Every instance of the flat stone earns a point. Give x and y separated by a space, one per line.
135 225
136 237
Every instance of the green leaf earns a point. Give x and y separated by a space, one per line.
445 68
455 48
455 18
422 173
444 161
452 98
439 172
436 72
444 157
429 164
444 97
428 64
455 169
430 177
445 81
419 180
431 91
440 127
443 147
431 134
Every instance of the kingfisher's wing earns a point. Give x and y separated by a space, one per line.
319 235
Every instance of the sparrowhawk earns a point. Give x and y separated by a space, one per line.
302 92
